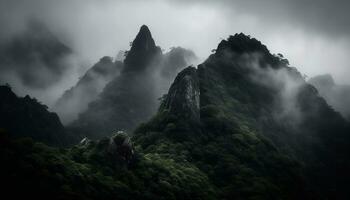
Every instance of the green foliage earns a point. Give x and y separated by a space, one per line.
88 172
45 172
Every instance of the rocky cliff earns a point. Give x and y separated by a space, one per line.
183 96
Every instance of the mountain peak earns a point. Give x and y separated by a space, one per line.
144 38
142 51
241 43
144 28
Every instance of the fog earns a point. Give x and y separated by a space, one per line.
338 96
313 36
76 99
284 81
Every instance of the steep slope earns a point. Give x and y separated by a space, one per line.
338 96
264 132
132 97
76 99
26 117
244 86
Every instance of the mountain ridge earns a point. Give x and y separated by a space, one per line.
254 94
242 125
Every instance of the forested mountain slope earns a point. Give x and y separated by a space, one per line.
242 125
26 117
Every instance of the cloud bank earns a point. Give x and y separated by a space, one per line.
313 35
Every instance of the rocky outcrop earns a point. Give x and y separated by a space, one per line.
116 151
183 97
121 147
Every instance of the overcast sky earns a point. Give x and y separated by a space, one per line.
313 34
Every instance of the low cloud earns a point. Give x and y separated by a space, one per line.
314 37
338 96
34 61
282 81
35 56
76 99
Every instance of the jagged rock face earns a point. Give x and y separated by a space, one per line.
76 99
26 117
183 96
